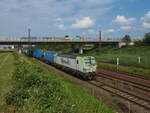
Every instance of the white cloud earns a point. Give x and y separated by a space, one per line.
146 17
146 20
91 31
125 27
123 20
146 25
58 19
109 31
86 22
61 26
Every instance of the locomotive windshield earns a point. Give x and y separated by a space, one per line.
90 61
87 61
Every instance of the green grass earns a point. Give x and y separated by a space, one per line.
38 89
128 56
132 70
2 55
6 70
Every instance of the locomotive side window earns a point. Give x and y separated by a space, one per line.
77 62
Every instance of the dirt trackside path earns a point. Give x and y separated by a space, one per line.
6 70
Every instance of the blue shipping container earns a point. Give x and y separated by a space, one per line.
115 45
49 56
26 51
37 53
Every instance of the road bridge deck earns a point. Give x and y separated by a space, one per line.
47 42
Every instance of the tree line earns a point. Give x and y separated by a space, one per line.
144 42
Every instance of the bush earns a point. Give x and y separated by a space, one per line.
33 85
138 43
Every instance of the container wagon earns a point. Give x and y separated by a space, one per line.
49 56
36 53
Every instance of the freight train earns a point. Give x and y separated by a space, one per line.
81 66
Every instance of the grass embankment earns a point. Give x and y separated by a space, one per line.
128 57
6 70
132 70
37 89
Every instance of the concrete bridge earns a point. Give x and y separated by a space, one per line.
54 42
113 43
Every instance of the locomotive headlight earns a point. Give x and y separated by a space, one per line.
93 68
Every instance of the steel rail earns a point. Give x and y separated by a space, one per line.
129 74
126 82
123 94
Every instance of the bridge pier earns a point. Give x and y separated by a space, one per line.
20 49
81 49
12 47
73 48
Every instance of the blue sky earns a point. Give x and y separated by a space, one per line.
114 18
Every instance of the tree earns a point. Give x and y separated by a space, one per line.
126 39
146 39
138 43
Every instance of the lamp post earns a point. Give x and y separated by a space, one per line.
100 43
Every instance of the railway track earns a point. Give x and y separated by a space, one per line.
126 82
123 94
134 88
139 80
126 73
